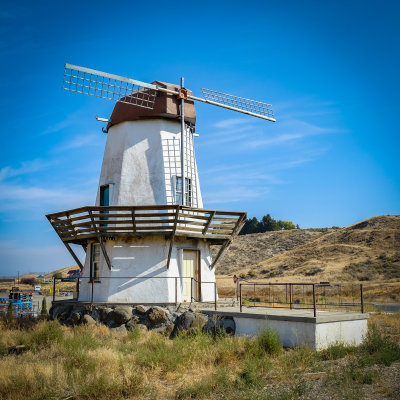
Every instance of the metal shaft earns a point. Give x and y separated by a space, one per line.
183 143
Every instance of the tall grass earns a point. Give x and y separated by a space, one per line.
90 363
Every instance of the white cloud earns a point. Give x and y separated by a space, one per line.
234 194
26 167
69 120
231 122
39 200
89 139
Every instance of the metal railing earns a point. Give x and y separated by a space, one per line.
196 288
304 296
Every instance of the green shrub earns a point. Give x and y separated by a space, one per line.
46 334
380 347
10 312
269 342
336 351
251 273
44 307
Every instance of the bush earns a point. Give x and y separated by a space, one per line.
46 334
380 347
251 273
336 351
10 312
28 281
269 342
44 307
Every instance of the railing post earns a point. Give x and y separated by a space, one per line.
362 298
290 295
286 292
240 296
54 289
176 291
215 295
191 289
313 295
91 300
77 288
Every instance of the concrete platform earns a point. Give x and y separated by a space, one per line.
299 327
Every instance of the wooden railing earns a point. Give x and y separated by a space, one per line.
80 224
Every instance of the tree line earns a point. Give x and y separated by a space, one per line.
267 223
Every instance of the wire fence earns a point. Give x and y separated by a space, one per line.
305 296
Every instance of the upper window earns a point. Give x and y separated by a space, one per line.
188 191
105 195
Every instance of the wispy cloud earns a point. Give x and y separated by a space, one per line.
88 139
26 167
69 120
41 200
231 123
234 194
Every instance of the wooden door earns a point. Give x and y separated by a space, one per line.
190 287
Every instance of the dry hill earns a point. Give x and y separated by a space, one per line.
247 251
49 275
367 251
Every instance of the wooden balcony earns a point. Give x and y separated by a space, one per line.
79 225
82 224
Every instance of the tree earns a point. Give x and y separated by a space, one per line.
250 226
44 307
29 281
57 275
267 223
286 225
10 311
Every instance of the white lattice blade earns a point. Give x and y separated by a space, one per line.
251 107
108 86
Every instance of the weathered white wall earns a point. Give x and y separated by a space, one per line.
317 336
146 257
140 160
349 332
292 333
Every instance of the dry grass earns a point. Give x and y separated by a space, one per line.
90 363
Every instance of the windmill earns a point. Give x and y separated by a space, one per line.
147 239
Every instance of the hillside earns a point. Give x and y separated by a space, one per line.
49 275
369 250
247 251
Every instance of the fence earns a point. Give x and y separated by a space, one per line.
306 296
195 292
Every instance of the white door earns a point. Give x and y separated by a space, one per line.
190 270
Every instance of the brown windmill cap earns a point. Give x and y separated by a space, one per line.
165 106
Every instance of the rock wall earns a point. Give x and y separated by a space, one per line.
168 320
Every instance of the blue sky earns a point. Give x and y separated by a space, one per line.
330 69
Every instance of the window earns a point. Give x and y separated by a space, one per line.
105 195
188 191
95 262
104 200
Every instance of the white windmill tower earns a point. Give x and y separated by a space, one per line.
147 239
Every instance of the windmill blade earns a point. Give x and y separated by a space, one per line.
108 86
240 104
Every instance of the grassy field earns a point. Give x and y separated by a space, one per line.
91 363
